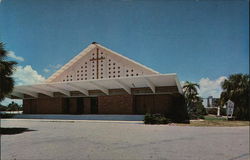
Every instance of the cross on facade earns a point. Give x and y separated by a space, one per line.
97 59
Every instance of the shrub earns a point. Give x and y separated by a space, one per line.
223 111
212 111
155 119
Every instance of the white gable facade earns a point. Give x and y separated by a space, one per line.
98 62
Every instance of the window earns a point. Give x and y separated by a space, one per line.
109 60
118 71
85 62
77 71
114 72
85 74
126 70
131 74
82 66
127 75
77 78
63 80
118 75
109 76
113 63
114 76
132 70
113 67
118 67
85 66
85 78
81 78
137 74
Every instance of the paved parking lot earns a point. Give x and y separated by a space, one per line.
52 139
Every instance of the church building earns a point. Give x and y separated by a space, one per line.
101 81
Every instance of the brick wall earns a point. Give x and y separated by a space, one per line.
118 104
152 103
43 106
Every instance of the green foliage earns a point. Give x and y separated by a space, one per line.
6 70
236 88
194 104
223 111
11 107
155 119
212 111
178 112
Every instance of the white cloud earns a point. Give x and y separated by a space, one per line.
13 55
211 87
24 75
52 68
46 70
57 66
27 75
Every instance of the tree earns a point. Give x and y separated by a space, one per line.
6 70
193 101
236 88
13 106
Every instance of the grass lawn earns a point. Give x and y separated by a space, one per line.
213 121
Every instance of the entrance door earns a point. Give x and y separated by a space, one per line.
79 105
144 104
94 105
66 106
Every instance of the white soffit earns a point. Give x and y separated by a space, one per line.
151 81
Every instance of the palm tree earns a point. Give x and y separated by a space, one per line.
236 88
190 92
194 104
6 70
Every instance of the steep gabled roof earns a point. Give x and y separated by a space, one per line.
87 51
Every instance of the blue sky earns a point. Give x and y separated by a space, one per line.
197 39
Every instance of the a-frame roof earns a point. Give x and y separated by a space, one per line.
86 51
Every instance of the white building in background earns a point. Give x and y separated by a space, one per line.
210 102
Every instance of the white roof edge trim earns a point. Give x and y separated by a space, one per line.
71 62
178 84
130 60
104 79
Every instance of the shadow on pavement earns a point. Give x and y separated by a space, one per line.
11 131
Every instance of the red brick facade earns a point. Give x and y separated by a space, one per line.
118 104
114 104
